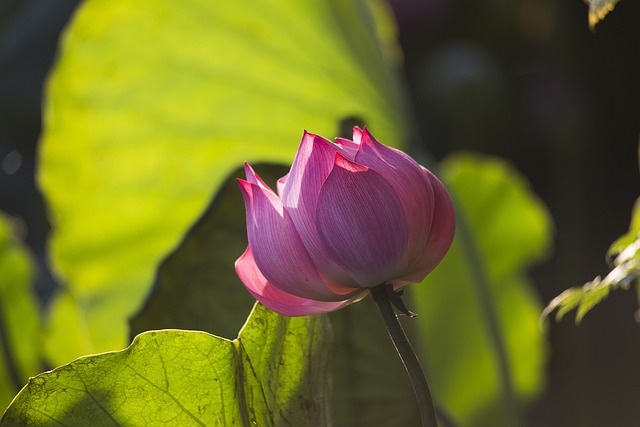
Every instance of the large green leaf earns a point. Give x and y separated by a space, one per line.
19 315
152 103
274 374
477 310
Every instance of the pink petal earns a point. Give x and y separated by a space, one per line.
253 177
440 236
278 251
410 184
276 299
280 185
349 148
311 166
362 223
357 135
443 227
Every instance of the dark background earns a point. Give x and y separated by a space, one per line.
522 79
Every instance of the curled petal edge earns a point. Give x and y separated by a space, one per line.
278 300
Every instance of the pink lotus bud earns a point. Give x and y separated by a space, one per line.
348 216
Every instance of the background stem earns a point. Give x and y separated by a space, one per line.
407 355
493 324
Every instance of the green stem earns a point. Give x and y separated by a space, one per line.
381 296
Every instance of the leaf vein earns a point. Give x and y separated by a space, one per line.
168 393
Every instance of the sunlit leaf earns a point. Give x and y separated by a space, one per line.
598 9
502 229
152 103
272 375
626 254
19 315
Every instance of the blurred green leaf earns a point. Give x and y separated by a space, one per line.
20 350
626 253
502 229
152 103
598 9
274 374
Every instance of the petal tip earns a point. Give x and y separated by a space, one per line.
248 171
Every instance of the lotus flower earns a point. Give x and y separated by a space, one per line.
348 216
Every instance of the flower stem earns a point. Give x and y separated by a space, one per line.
382 295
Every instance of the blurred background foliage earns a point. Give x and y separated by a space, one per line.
20 336
526 81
